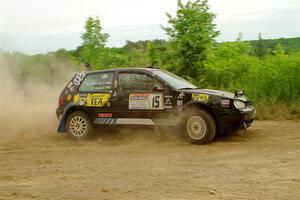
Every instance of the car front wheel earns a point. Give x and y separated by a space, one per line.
200 127
79 126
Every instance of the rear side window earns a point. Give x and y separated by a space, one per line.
101 82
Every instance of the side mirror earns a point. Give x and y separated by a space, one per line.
158 88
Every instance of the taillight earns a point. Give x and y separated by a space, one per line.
61 101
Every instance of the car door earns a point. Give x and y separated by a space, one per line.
138 95
95 94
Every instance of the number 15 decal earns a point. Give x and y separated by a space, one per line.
156 101
146 101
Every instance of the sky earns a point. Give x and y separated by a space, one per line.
39 26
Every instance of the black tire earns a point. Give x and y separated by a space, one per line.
79 126
199 126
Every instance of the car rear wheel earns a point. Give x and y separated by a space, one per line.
79 126
200 127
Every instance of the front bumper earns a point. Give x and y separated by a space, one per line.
248 113
237 118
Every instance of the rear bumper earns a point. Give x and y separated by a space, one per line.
237 119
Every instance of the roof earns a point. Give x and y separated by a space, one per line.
135 69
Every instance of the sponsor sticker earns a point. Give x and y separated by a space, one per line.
72 88
69 98
146 102
179 102
92 100
179 108
80 99
181 95
168 102
70 85
225 103
78 78
97 100
200 97
105 115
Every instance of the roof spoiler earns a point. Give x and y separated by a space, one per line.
239 93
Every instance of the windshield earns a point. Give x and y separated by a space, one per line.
173 80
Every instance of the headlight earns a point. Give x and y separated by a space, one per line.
239 104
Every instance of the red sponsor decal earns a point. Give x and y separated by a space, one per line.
105 115
225 103
143 94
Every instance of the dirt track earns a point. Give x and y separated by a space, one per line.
262 163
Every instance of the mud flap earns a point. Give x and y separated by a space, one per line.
62 124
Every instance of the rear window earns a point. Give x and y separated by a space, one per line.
100 82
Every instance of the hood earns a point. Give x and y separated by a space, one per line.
219 93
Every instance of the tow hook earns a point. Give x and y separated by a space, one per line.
245 126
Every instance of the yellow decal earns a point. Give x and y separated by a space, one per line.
92 100
200 97
76 98
69 97
80 99
97 100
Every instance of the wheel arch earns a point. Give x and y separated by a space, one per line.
205 107
72 108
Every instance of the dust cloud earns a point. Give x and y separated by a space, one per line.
28 106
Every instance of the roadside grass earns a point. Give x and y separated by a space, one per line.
267 110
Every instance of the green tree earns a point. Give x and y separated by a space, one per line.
259 48
240 37
191 33
93 49
137 53
153 59
278 50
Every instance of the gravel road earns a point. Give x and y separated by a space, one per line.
260 163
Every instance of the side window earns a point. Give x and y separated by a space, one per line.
100 82
137 82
